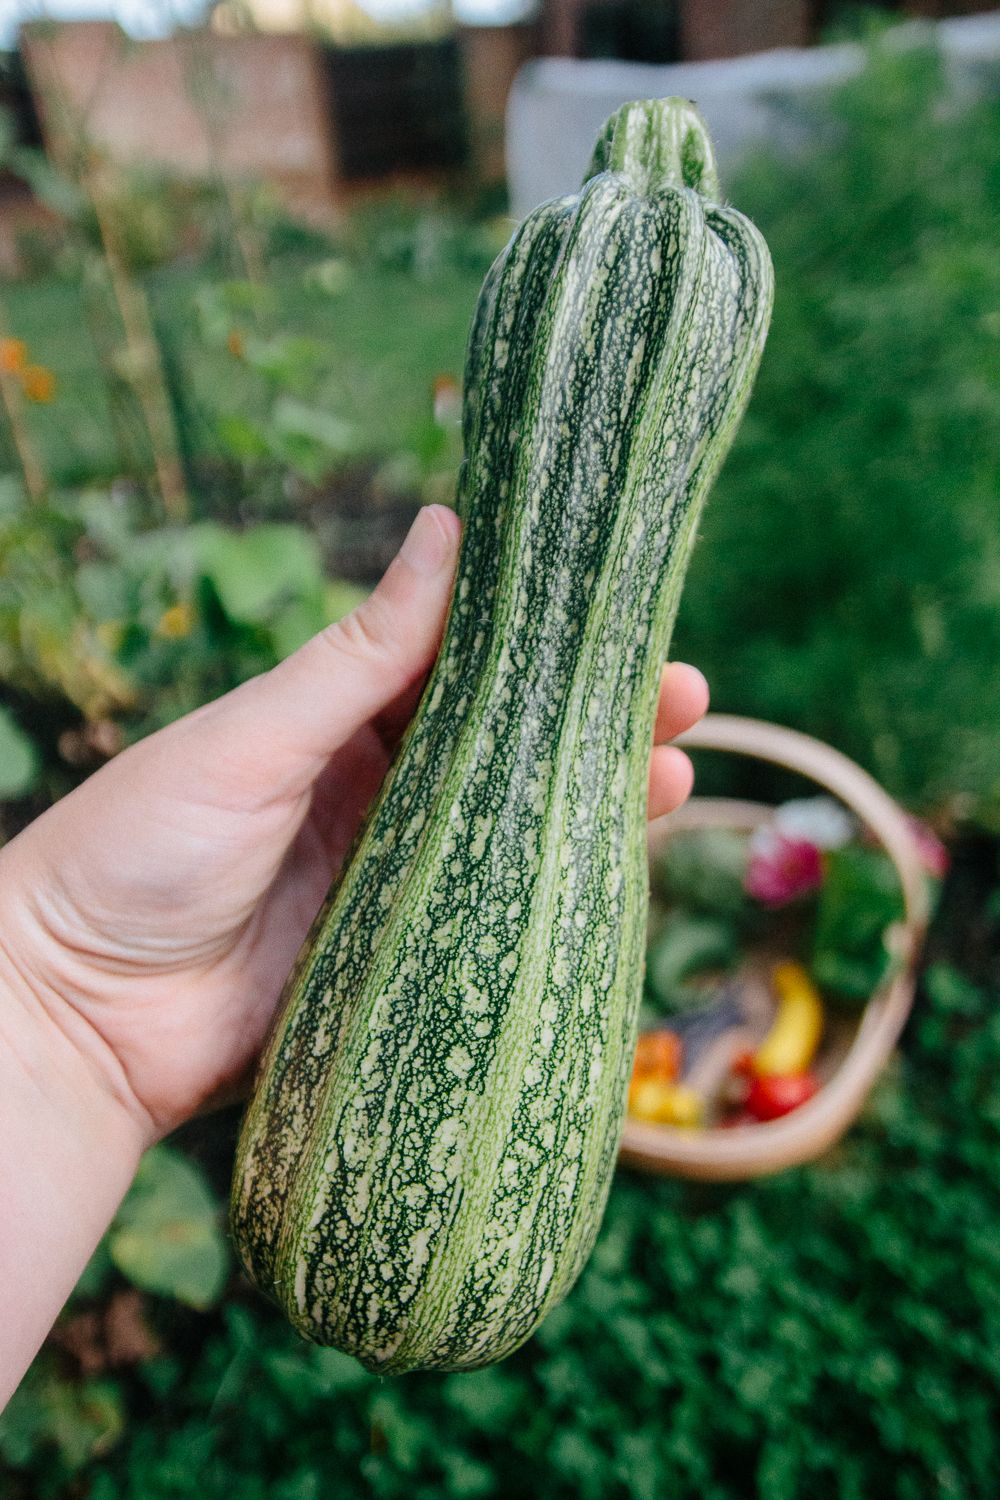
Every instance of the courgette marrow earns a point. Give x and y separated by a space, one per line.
424 1165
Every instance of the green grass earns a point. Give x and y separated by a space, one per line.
74 433
383 338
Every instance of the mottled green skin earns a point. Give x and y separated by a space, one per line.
425 1163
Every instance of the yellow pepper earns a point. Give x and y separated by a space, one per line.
791 1043
665 1103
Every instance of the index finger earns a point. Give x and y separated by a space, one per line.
683 701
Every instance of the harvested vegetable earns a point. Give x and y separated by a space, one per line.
424 1165
777 1094
658 1054
665 1103
790 1045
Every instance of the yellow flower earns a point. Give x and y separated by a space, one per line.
176 622
110 633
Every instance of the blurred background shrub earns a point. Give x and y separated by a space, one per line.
847 580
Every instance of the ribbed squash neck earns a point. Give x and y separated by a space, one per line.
657 143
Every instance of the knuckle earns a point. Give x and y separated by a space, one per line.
362 635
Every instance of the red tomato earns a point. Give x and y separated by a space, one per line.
777 1094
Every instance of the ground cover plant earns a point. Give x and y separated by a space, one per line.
831 1332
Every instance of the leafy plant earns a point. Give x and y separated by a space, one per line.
845 582
859 898
80 1422
166 1236
134 626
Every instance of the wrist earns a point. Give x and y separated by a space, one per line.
71 1146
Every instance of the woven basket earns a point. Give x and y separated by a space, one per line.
739 1152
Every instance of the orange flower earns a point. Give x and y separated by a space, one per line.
13 353
234 343
38 382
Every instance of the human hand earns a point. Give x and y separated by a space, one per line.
149 919
158 909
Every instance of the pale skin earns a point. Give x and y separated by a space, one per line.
148 920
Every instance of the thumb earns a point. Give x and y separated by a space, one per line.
262 745
317 699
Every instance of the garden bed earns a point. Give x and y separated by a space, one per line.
827 1332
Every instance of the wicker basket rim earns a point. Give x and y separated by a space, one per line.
749 1151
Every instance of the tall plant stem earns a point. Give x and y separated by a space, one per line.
144 365
213 103
35 481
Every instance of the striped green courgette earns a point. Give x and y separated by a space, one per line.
425 1162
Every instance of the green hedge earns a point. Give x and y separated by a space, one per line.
848 577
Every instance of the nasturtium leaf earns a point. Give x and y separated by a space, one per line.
166 1237
257 573
18 758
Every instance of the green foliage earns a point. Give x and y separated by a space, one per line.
114 619
859 898
333 359
425 239
289 430
825 1333
50 640
349 375
686 945
271 576
18 758
166 1236
846 579
79 1422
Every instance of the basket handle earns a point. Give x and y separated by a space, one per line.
826 766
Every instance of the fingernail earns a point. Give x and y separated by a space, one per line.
427 547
